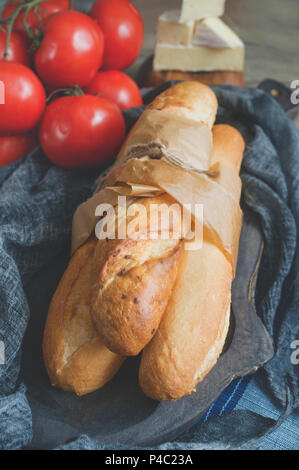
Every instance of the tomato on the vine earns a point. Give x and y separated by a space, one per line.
116 86
35 15
16 146
123 30
17 49
24 99
71 51
81 131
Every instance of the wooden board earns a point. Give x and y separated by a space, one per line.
148 78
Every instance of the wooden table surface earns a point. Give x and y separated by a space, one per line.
269 28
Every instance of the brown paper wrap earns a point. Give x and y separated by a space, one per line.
182 141
169 154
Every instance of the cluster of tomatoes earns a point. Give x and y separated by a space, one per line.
60 72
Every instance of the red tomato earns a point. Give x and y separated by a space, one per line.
71 51
32 21
25 99
17 146
81 131
123 31
116 86
17 50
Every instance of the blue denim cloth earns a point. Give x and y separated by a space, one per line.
37 201
248 395
257 399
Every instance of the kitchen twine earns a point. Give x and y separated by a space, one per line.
155 151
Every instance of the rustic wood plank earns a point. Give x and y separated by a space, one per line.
148 78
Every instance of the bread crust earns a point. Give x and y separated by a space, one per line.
75 357
194 327
192 332
133 281
128 312
192 100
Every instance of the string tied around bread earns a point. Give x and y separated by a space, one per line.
180 141
159 151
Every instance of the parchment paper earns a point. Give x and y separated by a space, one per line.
165 153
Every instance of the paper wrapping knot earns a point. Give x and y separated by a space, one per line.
165 153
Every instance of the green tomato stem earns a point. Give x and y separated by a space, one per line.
74 90
25 6
9 31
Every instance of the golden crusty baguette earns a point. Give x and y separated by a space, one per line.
195 324
134 278
75 357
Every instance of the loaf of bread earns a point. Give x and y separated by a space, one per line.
121 296
193 330
75 357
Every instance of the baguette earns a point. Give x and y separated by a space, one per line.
195 324
134 279
75 357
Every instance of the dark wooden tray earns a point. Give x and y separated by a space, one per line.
120 412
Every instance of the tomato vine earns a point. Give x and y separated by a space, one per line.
26 6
